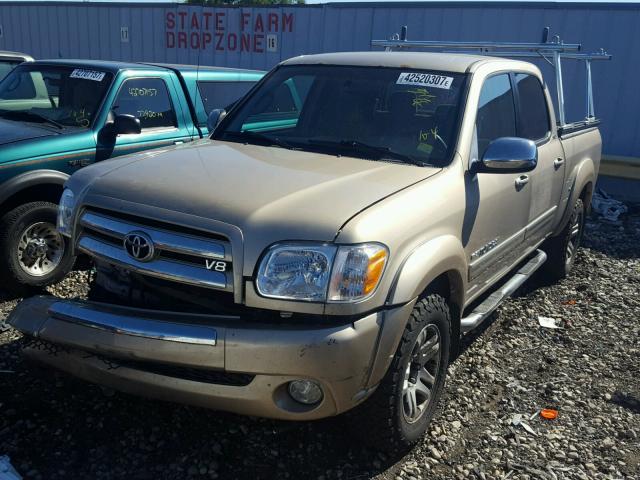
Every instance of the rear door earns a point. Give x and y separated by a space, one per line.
497 208
156 102
534 123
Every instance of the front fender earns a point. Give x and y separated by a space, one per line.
426 263
30 179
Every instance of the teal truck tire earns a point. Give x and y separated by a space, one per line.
32 252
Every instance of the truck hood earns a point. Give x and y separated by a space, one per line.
11 131
270 193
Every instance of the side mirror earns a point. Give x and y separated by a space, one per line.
509 155
126 124
215 117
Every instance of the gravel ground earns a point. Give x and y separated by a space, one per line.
488 426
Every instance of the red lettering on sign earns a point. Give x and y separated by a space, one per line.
273 22
171 20
195 41
219 20
232 42
194 21
219 38
258 26
182 15
287 22
245 42
207 16
244 20
258 45
206 39
182 39
171 40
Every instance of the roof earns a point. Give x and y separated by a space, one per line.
115 66
448 62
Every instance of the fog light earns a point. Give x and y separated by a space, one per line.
305 391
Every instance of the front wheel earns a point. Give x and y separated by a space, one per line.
399 412
32 252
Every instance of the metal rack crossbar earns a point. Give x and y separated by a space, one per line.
553 51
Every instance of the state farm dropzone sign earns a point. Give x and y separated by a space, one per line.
232 30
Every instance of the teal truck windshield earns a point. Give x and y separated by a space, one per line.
56 95
402 115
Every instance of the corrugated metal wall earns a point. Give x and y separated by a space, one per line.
262 36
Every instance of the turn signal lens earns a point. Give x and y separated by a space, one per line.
357 271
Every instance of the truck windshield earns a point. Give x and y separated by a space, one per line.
401 115
56 95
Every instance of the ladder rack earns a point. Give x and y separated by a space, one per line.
553 52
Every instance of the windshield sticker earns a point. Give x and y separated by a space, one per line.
425 80
87 75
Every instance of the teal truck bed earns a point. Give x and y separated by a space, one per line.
57 116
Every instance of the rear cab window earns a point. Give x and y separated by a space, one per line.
147 99
533 115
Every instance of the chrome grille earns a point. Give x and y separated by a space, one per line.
180 256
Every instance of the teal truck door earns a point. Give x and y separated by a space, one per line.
156 103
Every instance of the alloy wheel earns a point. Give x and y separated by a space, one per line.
40 249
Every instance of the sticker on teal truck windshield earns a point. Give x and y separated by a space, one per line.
87 75
425 80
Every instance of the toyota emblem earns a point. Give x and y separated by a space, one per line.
139 246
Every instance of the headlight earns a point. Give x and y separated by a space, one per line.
65 212
321 273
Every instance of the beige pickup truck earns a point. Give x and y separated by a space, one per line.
349 220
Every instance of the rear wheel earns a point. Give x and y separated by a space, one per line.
32 252
399 412
561 250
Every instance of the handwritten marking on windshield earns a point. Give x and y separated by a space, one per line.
421 97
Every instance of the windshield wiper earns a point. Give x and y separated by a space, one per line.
380 152
260 137
29 117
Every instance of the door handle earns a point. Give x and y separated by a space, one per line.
522 180
558 162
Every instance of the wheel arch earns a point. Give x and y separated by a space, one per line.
36 185
581 187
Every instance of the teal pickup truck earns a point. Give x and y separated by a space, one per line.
57 116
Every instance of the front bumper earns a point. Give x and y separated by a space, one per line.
239 367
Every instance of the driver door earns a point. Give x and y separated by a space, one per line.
153 101
497 204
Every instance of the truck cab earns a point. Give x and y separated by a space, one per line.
57 116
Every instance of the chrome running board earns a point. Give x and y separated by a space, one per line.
486 308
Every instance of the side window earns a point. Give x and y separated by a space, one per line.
533 120
148 99
222 94
280 101
496 111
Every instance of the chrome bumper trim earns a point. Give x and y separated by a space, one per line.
133 326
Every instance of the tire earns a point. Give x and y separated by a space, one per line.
561 250
28 233
384 421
